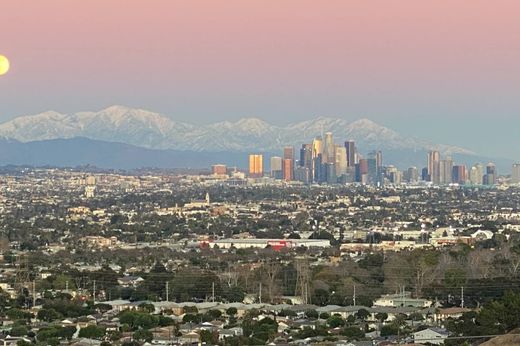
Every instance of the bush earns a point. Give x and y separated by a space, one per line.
389 330
353 333
311 314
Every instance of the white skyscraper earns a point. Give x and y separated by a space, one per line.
515 177
341 160
329 148
476 174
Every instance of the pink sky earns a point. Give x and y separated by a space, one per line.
278 59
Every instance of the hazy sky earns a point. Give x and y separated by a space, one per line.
448 71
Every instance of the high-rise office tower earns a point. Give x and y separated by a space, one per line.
306 160
490 178
459 174
276 167
288 170
341 160
288 152
373 174
256 165
328 148
350 146
302 174
379 159
317 147
445 171
515 176
375 167
288 163
434 158
317 153
318 170
362 171
412 175
394 175
305 155
476 174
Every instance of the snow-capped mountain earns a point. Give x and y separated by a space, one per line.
155 131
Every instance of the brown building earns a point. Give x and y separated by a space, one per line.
256 165
219 169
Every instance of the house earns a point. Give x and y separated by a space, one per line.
434 336
188 338
228 333
130 281
482 235
395 300
87 342
454 312
12 341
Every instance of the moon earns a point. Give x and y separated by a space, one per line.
4 65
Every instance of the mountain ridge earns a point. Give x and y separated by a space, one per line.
147 129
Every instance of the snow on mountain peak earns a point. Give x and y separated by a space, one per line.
153 130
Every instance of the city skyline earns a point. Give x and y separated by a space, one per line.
443 71
324 162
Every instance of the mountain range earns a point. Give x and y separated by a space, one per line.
151 130
123 137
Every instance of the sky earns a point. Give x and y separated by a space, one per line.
447 71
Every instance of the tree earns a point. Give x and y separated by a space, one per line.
311 314
23 343
335 321
49 315
92 332
389 330
353 333
214 314
362 314
233 294
66 332
454 277
320 296
287 313
101 307
143 335
147 307
18 331
191 318
324 316
232 311
208 337
381 316
17 314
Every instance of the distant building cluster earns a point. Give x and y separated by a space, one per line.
324 161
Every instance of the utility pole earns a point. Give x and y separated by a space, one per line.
34 293
260 293
354 297
462 297
94 291
167 292
213 292
67 286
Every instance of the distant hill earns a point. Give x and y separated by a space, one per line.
81 151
